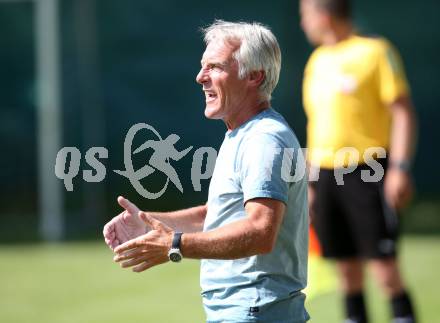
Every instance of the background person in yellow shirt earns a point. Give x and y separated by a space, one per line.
356 95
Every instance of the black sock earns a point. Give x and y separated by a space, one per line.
402 308
355 308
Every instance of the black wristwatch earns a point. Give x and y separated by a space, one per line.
403 165
174 254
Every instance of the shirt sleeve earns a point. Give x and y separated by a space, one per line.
260 169
392 79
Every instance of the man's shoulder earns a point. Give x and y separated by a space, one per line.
271 128
270 121
359 44
374 46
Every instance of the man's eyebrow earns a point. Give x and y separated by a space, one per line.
209 62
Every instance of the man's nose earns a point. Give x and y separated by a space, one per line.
201 76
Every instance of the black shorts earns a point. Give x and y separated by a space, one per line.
353 220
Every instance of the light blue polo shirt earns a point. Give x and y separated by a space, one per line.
261 288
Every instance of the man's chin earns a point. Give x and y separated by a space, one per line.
210 113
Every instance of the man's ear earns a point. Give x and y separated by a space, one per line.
256 78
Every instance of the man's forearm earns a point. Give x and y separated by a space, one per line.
187 220
403 131
235 240
255 234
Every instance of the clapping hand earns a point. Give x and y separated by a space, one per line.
125 226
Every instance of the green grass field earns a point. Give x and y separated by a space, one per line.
78 282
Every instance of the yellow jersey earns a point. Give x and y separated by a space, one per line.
347 91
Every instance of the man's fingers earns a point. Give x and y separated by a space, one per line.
107 229
127 246
133 253
114 244
110 226
150 262
144 266
133 262
109 234
126 204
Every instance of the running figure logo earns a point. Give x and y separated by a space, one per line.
164 150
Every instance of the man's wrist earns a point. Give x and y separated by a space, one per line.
174 253
402 165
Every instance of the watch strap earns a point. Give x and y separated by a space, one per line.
402 165
176 240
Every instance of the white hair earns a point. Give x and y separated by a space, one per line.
259 50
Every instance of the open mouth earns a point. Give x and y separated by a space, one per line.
210 96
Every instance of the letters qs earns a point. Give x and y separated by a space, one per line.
98 171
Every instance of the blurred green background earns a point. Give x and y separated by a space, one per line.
122 63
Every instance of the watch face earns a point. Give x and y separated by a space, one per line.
175 257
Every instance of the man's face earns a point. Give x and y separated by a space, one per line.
225 93
313 21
